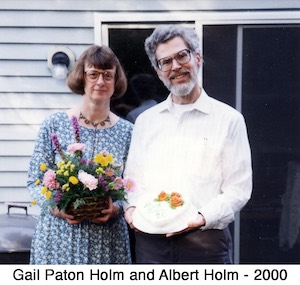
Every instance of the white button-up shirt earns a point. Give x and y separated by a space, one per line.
202 152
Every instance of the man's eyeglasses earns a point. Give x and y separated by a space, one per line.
182 57
93 75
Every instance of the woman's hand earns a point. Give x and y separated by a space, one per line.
69 218
111 212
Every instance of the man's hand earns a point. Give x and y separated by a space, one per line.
128 217
197 223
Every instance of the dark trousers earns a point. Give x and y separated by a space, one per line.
193 247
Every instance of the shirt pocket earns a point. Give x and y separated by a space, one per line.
206 160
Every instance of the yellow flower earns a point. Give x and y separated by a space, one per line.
48 195
73 180
60 163
37 182
43 167
99 158
110 158
44 190
66 187
99 170
66 173
62 168
103 159
33 202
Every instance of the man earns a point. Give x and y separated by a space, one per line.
192 144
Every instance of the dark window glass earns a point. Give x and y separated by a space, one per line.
128 44
271 105
219 68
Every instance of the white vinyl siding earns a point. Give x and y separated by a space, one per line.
28 93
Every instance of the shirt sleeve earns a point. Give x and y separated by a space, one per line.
236 186
134 165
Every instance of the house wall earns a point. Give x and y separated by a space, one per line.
28 93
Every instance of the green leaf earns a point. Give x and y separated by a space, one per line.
78 202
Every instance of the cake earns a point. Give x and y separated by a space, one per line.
163 213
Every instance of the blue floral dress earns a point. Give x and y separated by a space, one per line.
57 242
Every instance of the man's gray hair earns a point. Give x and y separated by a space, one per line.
164 33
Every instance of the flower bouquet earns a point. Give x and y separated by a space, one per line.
81 187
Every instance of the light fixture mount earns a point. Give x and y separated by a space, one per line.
60 61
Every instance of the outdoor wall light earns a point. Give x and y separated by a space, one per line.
60 62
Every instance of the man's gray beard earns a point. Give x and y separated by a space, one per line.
181 90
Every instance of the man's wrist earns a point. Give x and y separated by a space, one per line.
130 207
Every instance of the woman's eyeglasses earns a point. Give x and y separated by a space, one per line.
93 75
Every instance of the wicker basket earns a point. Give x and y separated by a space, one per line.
92 209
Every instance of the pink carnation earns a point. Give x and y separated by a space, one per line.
88 180
76 147
49 179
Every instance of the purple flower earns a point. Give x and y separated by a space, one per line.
76 128
102 181
56 143
57 197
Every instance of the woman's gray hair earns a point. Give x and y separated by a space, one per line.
164 33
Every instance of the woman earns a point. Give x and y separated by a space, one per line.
59 238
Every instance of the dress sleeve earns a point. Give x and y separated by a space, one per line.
43 153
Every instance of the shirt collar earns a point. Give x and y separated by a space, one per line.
202 104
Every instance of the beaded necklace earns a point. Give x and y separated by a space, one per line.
94 124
